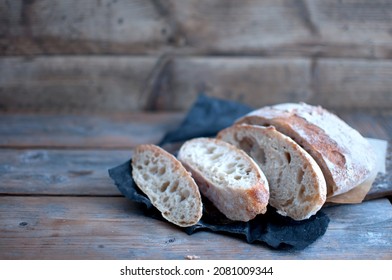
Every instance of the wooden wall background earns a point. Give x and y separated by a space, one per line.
132 55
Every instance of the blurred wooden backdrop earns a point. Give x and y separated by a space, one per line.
134 55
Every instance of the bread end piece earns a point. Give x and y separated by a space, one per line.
167 184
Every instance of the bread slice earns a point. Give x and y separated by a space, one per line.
297 185
227 176
167 184
344 156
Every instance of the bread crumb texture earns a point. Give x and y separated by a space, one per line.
227 176
167 184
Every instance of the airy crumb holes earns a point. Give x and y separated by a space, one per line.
162 170
216 156
184 195
288 157
174 186
164 186
300 176
154 170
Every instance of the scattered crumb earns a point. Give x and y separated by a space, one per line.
192 257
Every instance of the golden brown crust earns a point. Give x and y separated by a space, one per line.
255 195
342 153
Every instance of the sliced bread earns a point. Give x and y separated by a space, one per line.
297 185
167 184
344 156
227 176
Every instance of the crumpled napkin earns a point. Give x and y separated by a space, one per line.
206 118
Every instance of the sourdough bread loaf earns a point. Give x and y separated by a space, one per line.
227 176
167 184
344 156
297 185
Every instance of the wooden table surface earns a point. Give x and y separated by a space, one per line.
57 201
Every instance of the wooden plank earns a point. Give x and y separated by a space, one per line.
352 28
113 228
59 172
77 27
332 83
123 84
240 27
353 83
126 84
84 131
74 84
331 28
253 81
365 225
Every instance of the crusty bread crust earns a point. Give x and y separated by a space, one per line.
227 176
297 185
345 157
167 184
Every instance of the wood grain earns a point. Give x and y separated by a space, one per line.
59 172
118 131
84 131
353 83
255 82
77 27
74 84
96 84
331 83
301 28
114 228
240 27
332 28
352 28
